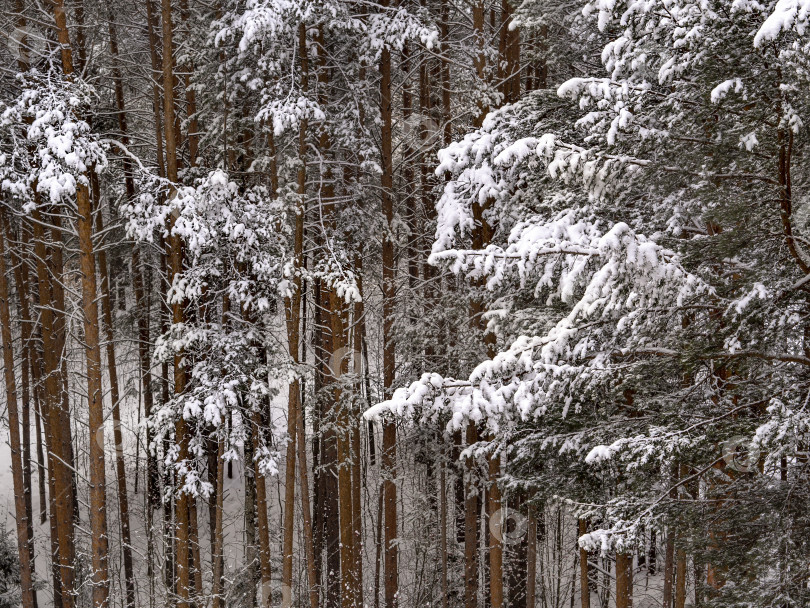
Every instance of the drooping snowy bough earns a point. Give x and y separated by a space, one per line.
647 279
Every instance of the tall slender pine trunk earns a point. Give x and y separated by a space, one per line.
389 439
30 382
20 511
175 263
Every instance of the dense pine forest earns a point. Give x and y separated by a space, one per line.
405 303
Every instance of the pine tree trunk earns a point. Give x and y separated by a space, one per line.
143 287
495 540
303 478
669 554
112 370
43 501
329 456
251 555
289 492
191 95
49 275
356 442
217 566
98 484
443 533
624 580
471 525
293 317
584 586
175 267
30 383
669 567
21 516
261 512
531 558
328 465
517 562
157 77
444 27
680 579
66 502
143 306
34 356
318 481
378 547
194 545
59 476
170 580
389 440
26 452
347 551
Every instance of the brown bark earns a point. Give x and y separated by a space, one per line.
669 551
624 580
251 554
293 318
51 291
584 587
194 546
169 79
480 238
480 59
60 482
329 457
541 72
471 525
43 501
509 56
303 478
517 562
143 304
407 163
20 511
680 579
143 320
289 489
140 283
356 443
265 570
34 357
175 267
447 133
98 484
191 96
347 551
216 587
389 440
29 386
112 371
329 500
26 454
669 568
157 76
378 548
531 558
495 540
121 107
318 481
443 533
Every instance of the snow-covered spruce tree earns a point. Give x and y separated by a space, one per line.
650 268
